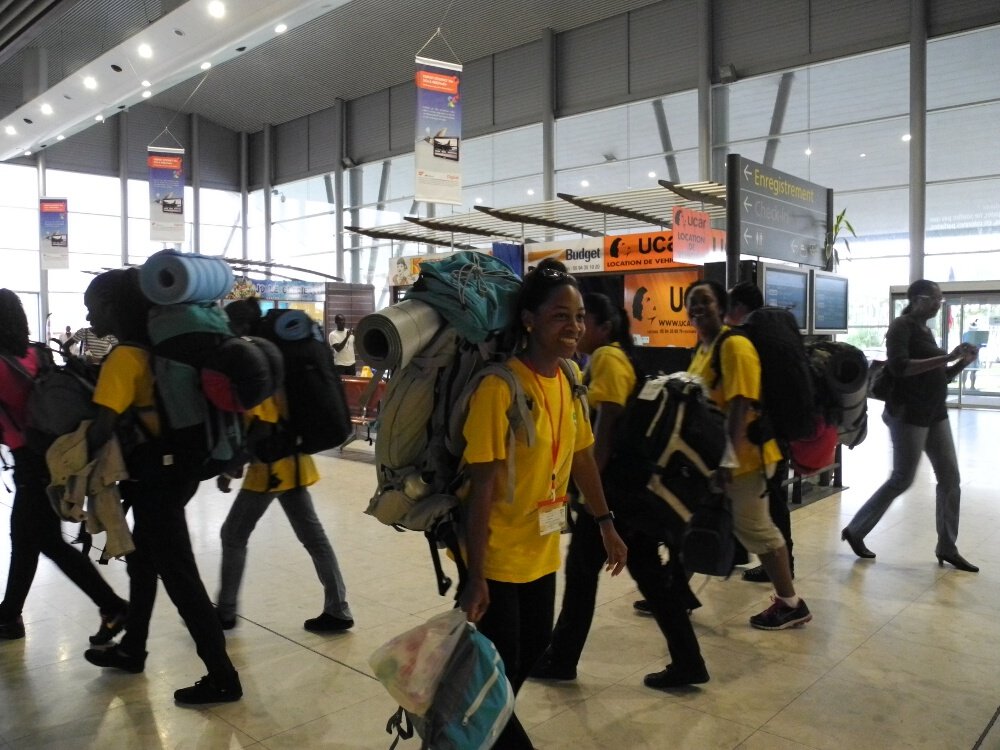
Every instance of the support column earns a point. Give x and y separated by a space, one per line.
705 64
244 194
43 274
548 115
195 162
340 117
122 121
266 168
918 135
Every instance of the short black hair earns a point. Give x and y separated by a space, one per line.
13 325
748 294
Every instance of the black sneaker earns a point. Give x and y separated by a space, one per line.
327 623
756 575
207 690
111 625
674 677
227 623
547 669
12 630
780 616
641 606
113 657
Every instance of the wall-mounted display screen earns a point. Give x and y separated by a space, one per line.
786 287
829 303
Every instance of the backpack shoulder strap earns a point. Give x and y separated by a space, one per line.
717 353
576 386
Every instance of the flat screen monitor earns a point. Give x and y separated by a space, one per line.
787 287
829 303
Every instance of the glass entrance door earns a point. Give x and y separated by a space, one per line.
975 318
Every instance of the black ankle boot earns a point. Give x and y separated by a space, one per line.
209 689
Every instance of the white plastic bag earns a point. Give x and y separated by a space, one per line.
411 664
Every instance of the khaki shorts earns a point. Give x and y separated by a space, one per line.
752 522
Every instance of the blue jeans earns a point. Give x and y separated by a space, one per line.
298 506
908 442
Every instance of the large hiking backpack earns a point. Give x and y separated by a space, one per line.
788 397
472 697
205 378
668 441
60 397
840 375
318 415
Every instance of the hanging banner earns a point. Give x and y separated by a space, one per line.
650 250
694 240
53 233
166 194
655 304
439 132
582 255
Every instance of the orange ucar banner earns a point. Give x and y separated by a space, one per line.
655 304
639 252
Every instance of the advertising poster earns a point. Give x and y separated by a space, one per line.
404 269
166 194
694 240
53 233
655 304
438 146
653 250
583 255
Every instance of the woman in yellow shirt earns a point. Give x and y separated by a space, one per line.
512 539
742 475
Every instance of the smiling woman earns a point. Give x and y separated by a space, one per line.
512 548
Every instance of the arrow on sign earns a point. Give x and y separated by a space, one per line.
746 172
746 203
746 234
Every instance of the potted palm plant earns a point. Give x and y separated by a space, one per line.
841 226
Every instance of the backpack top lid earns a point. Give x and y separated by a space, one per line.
476 293
788 396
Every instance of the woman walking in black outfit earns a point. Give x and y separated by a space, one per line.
918 423
34 526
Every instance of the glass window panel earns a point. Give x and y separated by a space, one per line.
645 172
517 153
591 138
138 199
222 207
477 160
21 269
681 116
595 180
963 68
19 186
517 192
964 217
86 193
962 143
20 229
402 175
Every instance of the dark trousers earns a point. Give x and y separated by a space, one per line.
665 587
519 622
163 548
36 529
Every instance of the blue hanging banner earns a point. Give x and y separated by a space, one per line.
166 194
53 232
437 150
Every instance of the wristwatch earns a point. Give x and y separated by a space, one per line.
609 516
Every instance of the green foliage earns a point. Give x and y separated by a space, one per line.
841 225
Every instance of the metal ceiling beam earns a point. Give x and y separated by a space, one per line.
603 208
446 226
693 195
529 219
377 234
778 117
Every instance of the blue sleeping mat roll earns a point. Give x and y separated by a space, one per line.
170 277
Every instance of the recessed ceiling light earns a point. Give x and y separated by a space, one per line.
60 137
90 82
99 118
146 94
146 84
10 130
281 28
145 51
651 175
906 138
27 153
584 183
206 65
809 152
46 109
479 200
530 191
216 9
862 156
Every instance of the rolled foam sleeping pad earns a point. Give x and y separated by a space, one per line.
293 325
389 338
170 277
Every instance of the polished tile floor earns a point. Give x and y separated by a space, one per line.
901 653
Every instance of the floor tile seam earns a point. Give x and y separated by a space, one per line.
797 740
306 647
989 727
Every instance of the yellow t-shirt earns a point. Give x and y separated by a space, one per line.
610 376
516 552
258 476
740 377
126 381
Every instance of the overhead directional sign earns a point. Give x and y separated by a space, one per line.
772 214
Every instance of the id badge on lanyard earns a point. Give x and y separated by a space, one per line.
552 514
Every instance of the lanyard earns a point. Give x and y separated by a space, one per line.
552 425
